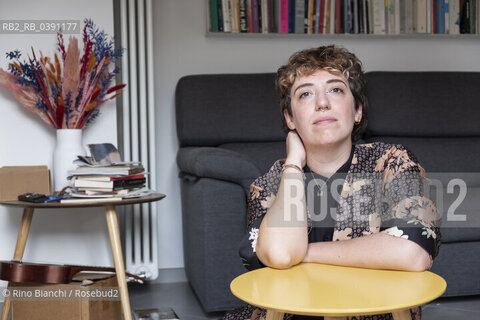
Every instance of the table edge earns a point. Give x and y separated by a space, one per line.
340 313
23 204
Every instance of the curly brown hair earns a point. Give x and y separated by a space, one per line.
333 59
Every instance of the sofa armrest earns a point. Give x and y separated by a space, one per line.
217 163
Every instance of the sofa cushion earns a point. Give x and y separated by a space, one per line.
217 163
423 104
216 109
263 154
442 154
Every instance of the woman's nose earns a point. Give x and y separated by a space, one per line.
321 102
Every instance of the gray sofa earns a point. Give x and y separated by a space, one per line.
229 133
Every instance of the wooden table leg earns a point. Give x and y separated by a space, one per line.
274 315
112 223
402 315
19 249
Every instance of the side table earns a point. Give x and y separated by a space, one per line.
336 292
113 231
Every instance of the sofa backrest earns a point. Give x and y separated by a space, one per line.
435 114
225 108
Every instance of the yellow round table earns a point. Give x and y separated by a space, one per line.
336 292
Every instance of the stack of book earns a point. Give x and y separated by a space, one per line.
110 182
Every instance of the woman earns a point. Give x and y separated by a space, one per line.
357 205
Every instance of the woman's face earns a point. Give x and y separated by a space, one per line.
323 109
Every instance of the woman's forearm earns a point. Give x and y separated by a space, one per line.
283 236
376 251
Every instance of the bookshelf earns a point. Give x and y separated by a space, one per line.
365 19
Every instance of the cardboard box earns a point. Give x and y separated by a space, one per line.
68 308
23 179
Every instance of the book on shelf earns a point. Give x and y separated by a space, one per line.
299 16
291 16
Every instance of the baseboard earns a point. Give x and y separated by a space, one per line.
170 276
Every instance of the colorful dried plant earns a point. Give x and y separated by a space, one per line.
66 92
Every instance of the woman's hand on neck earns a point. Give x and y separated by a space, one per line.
326 160
295 150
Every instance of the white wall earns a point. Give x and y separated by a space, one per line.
68 236
181 48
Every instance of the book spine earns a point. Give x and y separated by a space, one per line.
454 16
397 16
128 183
273 26
421 23
234 16
283 16
299 15
430 16
326 16
264 11
249 16
365 16
291 16
369 16
317 17
377 16
355 16
259 12
338 16
226 16
220 15
321 17
243 16
332 16
255 15
213 16
311 16
360 17
345 16
138 176
472 16
408 16
447 14
440 16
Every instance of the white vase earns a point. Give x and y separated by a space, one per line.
69 146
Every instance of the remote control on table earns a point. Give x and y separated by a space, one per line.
32 197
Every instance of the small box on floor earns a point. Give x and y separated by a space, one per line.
156 314
77 304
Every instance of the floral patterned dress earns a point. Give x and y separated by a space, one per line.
384 190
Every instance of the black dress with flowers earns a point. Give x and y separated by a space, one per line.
383 190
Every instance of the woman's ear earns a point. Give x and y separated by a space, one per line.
358 113
289 120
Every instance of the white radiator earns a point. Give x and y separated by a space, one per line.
137 139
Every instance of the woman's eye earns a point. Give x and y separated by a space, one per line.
304 95
337 90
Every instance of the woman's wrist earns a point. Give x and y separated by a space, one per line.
293 161
293 169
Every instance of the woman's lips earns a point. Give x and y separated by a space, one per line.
324 121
